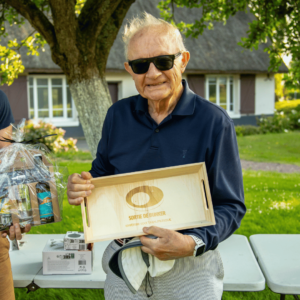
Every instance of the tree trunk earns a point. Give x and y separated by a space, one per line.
80 46
92 100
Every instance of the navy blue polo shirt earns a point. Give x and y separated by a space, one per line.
6 116
196 131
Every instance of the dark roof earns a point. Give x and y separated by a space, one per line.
215 51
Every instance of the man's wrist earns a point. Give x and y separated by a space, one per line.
199 246
190 245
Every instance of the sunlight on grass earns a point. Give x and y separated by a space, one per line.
272 201
273 147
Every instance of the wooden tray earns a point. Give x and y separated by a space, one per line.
173 198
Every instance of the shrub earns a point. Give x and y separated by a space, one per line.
283 121
294 118
276 123
34 130
286 104
246 130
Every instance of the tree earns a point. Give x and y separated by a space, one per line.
277 21
279 87
80 34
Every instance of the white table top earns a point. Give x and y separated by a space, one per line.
27 261
242 272
279 258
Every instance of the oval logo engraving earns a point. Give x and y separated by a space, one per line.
155 197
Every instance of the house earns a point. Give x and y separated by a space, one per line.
219 70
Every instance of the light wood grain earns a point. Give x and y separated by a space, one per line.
174 198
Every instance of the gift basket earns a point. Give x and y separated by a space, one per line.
31 184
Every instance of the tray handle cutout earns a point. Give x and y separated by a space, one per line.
85 220
204 194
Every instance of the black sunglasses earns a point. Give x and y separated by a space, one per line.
162 63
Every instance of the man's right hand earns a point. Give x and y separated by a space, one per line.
79 187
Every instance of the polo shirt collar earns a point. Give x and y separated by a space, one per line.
184 107
186 103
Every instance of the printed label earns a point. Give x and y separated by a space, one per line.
82 246
66 265
45 204
71 247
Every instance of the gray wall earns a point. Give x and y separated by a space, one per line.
17 97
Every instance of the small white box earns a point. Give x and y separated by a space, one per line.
74 240
56 260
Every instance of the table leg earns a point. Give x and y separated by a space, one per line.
32 287
282 297
296 297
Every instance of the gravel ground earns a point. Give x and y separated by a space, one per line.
263 166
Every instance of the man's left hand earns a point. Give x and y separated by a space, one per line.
15 232
169 244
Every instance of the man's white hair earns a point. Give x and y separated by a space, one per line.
147 20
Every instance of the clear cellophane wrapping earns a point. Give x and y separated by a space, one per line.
31 184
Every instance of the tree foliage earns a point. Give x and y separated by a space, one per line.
80 34
277 21
11 62
97 20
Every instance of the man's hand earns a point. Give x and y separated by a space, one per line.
15 232
169 244
79 187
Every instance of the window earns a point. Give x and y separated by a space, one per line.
50 99
220 90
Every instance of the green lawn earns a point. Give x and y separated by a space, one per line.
74 156
272 147
272 199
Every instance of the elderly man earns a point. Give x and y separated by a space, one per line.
168 125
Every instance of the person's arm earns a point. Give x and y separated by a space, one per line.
14 232
101 165
5 133
226 187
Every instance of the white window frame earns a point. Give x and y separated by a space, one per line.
61 121
235 113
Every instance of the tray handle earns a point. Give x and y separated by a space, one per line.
207 196
86 225
204 195
205 188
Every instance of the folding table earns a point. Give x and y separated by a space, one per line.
279 258
242 272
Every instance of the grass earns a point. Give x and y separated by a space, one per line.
272 200
74 156
272 147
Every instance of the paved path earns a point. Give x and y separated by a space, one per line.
263 166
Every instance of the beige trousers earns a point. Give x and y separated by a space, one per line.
6 280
